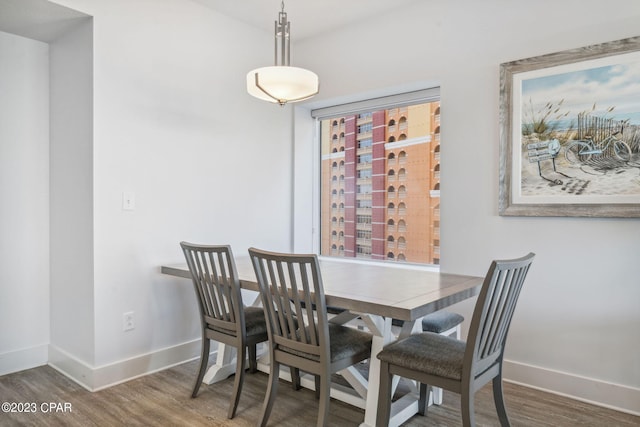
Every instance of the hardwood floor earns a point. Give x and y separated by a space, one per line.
163 399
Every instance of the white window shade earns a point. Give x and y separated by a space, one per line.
381 103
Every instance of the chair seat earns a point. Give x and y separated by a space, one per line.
438 322
255 323
441 321
345 342
427 352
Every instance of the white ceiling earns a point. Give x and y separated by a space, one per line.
37 19
44 21
308 18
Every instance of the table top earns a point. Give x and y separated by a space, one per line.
400 292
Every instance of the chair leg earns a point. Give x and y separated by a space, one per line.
318 385
204 361
384 396
423 402
295 378
253 358
237 383
467 407
323 407
272 389
498 398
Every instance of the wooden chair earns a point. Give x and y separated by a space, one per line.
302 338
446 362
222 313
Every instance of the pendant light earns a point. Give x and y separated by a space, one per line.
282 83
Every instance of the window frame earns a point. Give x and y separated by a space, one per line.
306 163
353 108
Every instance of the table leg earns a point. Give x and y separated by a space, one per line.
403 408
225 365
381 330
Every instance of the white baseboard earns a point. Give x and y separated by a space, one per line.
27 358
615 396
97 378
609 395
70 366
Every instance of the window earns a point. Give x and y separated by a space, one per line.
364 173
365 159
389 169
364 189
364 234
364 143
365 128
364 204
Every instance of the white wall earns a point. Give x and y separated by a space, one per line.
172 123
71 183
577 326
24 206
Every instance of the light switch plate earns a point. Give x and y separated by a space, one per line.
128 201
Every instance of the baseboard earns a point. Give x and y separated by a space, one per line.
19 360
609 395
71 367
98 378
615 396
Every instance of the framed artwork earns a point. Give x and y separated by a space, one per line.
570 133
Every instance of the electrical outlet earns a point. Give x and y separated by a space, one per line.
127 321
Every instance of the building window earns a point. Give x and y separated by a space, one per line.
364 203
365 159
365 143
388 176
365 128
364 173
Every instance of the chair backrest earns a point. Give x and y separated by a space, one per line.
291 287
493 312
217 286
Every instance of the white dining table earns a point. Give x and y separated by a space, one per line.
372 294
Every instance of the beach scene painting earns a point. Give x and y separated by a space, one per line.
573 132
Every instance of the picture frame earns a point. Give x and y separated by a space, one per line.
570 133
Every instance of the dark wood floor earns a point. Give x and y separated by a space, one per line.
162 399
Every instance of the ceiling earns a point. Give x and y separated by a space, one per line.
44 21
37 19
308 18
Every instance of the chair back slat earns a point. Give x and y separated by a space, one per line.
215 280
493 312
291 287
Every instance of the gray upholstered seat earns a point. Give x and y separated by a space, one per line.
222 313
427 352
299 337
441 321
438 322
254 320
462 367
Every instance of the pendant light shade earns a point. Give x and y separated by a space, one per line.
282 83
